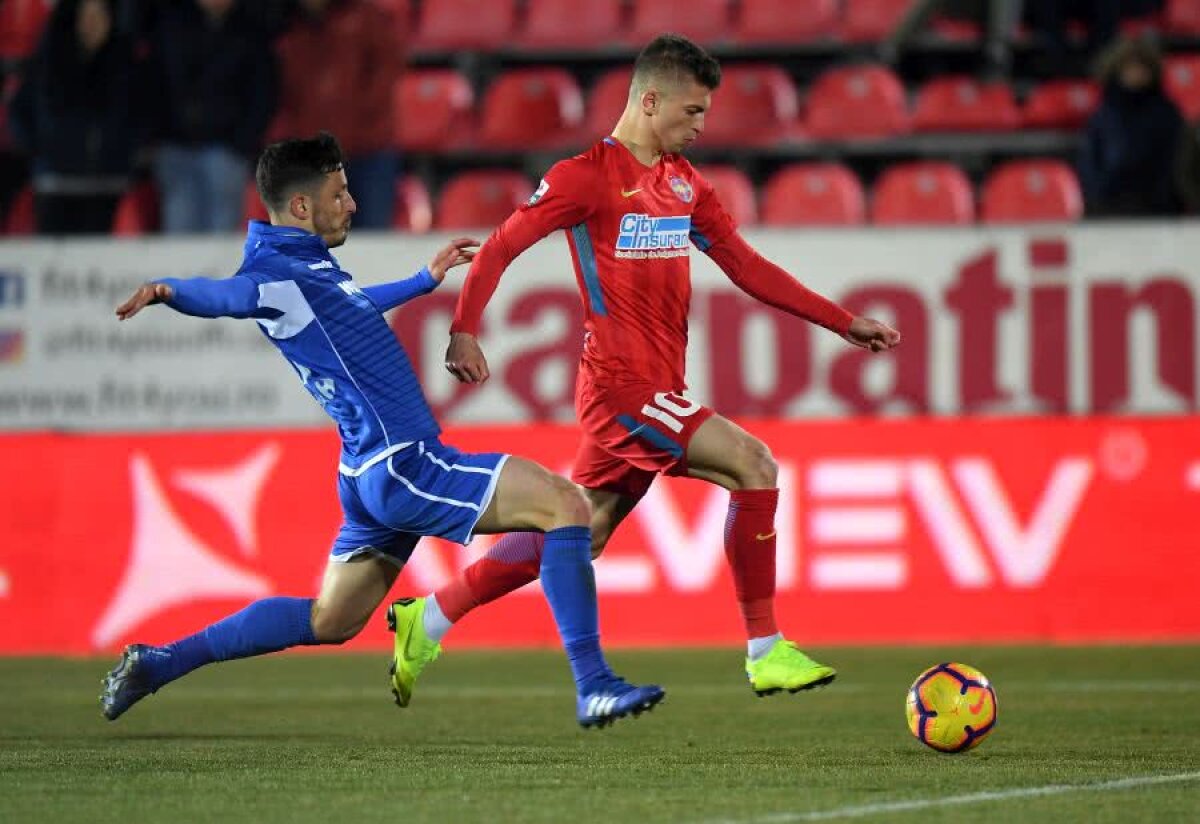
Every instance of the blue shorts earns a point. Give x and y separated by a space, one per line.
427 488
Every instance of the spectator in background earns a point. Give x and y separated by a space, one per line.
350 92
77 114
218 90
1128 161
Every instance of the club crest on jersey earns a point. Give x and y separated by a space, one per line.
641 236
682 189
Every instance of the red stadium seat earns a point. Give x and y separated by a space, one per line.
1183 17
1061 104
569 24
961 104
705 21
414 210
755 106
433 110
813 194
606 102
1182 80
481 199
137 212
785 21
252 205
869 21
449 25
1030 191
857 101
20 218
21 23
531 108
735 191
923 192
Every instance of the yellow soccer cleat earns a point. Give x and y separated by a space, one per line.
414 650
786 668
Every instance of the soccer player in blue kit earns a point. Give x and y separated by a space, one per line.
397 481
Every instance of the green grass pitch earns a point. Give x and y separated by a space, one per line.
1097 734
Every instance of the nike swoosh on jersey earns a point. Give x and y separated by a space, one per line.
765 536
629 193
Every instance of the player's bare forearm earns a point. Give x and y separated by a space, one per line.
146 295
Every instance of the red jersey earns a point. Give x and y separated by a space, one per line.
630 228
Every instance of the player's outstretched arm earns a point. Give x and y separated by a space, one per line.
768 283
387 296
235 297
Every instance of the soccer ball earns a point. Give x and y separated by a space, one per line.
951 707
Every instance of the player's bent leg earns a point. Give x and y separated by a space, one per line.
723 453
609 510
530 497
419 624
350 592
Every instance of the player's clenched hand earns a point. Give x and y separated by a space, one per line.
145 295
873 335
461 250
465 360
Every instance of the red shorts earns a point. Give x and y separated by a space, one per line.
631 433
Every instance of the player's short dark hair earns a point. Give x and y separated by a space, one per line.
674 57
295 164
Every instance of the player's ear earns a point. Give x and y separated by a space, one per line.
650 100
300 207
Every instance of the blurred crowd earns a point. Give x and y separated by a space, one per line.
188 91
191 90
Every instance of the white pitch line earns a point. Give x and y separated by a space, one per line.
862 810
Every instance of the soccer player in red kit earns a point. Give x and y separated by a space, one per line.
631 207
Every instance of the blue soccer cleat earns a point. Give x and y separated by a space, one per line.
604 700
130 681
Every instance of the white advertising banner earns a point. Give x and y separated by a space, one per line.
1099 318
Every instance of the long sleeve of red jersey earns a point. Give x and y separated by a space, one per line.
561 201
716 235
764 281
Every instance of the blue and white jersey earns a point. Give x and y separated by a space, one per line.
332 332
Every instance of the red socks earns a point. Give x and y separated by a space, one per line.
512 562
750 550
515 561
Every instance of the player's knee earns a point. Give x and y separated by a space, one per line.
332 626
568 505
756 466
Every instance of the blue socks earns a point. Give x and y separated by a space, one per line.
570 587
265 626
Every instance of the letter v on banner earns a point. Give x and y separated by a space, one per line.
1023 556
